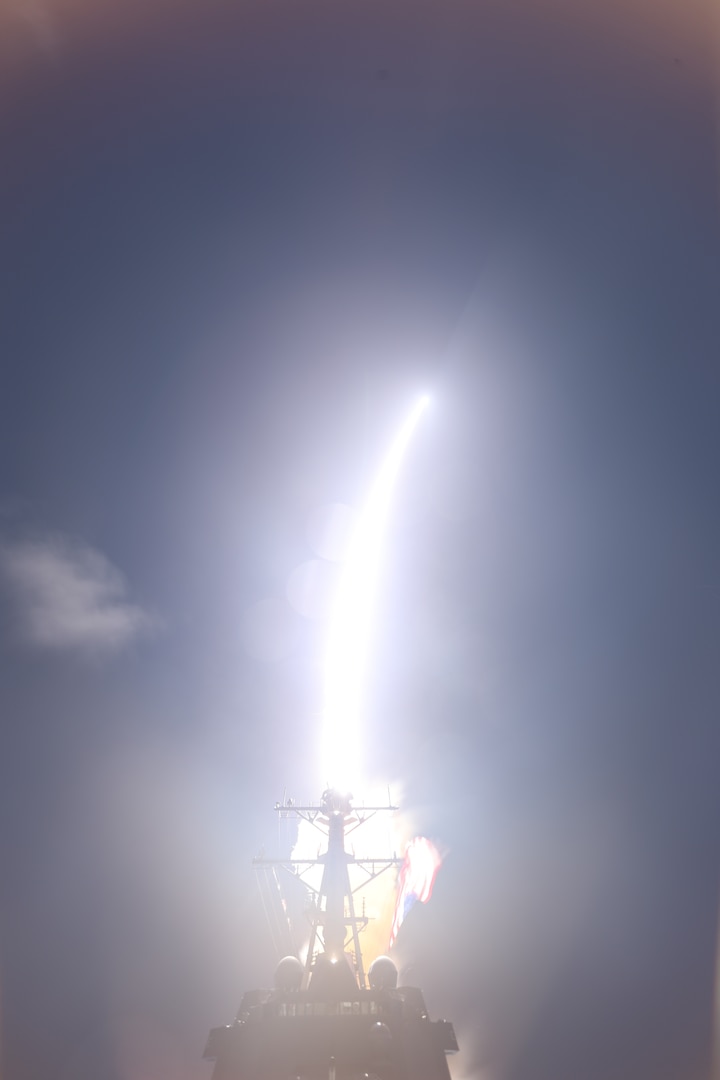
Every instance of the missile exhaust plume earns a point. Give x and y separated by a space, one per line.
351 619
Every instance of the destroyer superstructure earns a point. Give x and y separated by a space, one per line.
329 1019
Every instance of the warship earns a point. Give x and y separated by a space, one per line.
327 1018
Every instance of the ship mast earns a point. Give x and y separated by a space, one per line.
329 1019
335 924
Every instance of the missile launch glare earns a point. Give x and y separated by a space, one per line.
318 917
351 621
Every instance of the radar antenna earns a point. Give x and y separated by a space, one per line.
334 921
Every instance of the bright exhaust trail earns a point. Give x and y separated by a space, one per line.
351 622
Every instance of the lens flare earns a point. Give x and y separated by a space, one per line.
351 621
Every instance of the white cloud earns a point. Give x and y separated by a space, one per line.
70 597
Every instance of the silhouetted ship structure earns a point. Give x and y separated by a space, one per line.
325 1019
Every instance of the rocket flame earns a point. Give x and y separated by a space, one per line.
351 619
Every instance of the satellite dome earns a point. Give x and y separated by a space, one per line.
383 974
289 974
380 1038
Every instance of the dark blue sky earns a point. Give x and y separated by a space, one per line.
237 240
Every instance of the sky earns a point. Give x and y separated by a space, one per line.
238 240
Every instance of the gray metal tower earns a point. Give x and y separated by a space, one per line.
321 1020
